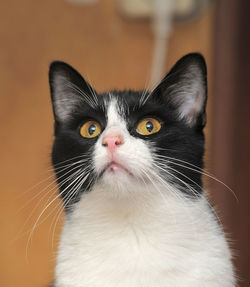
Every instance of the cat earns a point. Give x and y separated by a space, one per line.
128 166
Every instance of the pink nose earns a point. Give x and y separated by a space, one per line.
112 141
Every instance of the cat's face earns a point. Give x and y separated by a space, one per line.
127 140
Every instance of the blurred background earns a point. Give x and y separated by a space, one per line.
114 44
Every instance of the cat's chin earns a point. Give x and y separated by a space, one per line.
116 175
118 178
116 169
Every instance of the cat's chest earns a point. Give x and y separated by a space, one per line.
106 245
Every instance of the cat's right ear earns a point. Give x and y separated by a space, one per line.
68 90
184 90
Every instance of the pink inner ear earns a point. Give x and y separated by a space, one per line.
192 104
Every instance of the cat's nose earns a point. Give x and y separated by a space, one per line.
112 141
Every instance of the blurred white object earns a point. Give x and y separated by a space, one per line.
163 13
184 9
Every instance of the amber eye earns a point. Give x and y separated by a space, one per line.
90 129
148 126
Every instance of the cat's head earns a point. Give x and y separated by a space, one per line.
124 140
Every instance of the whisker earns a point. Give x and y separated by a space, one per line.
68 165
85 96
192 189
53 175
47 206
182 174
198 170
46 187
71 159
176 159
172 191
145 96
73 191
20 233
93 93
78 174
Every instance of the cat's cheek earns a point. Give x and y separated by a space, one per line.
139 157
100 158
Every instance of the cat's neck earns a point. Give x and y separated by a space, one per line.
136 205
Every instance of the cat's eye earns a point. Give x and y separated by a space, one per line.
148 126
90 129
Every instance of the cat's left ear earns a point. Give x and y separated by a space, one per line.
184 90
68 91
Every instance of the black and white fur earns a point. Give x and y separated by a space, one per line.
149 224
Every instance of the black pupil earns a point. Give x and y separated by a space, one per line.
149 126
92 129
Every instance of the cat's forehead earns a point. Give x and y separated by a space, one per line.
115 111
124 99
123 102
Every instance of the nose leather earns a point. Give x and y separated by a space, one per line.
112 141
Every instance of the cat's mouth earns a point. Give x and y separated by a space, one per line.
114 167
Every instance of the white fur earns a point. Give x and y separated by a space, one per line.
131 232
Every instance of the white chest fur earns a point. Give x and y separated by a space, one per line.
146 240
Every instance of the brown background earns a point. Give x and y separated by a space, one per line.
112 52
230 131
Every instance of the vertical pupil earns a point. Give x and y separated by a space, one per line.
149 126
92 129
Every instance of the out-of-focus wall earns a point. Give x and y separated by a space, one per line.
112 52
230 130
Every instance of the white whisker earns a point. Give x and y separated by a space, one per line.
187 185
73 192
84 96
49 204
195 169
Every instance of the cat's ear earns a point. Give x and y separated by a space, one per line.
68 90
184 90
